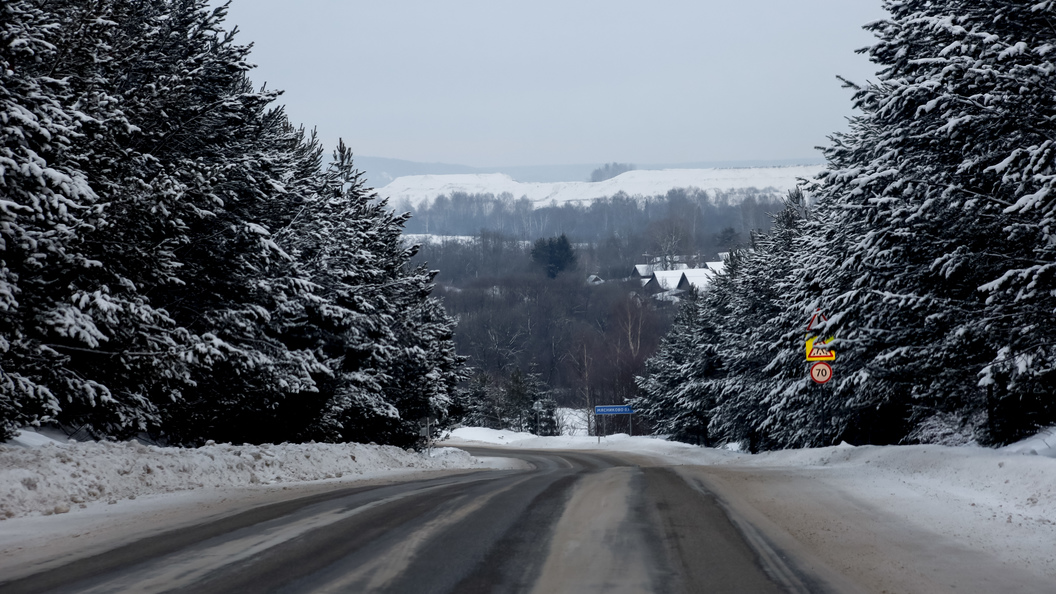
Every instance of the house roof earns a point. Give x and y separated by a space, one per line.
644 270
698 278
668 279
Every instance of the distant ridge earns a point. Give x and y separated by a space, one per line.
381 171
414 189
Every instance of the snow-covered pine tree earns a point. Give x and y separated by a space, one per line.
944 180
387 344
45 201
191 163
675 394
930 247
477 404
172 168
519 393
766 399
147 188
544 422
424 375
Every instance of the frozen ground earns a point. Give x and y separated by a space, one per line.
844 501
417 188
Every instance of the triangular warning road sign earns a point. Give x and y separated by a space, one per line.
817 318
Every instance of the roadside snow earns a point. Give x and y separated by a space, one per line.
1042 444
39 475
417 188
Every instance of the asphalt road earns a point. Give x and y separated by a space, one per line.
575 522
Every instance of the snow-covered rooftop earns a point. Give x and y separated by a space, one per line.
668 279
700 277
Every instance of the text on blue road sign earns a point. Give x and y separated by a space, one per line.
613 410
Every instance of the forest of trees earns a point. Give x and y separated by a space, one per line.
612 233
702 212
528 320
558 338
928 243
175 260
179 262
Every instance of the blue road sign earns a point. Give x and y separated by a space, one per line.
621 409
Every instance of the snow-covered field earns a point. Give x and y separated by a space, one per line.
417 188
41 476
423 238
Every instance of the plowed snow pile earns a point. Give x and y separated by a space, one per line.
52 477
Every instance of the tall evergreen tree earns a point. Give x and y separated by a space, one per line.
676 394
175 261
387 344
943 181
45 202
554 255
929 246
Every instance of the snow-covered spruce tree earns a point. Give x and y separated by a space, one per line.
45 201
477 404
676 394
147 185
77 329
386 343
941 191
188 162
544 422
766 400
519 394
425 374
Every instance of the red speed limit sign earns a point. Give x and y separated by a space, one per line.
821 372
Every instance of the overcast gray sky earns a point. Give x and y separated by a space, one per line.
543 82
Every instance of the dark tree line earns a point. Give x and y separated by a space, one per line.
611 234
174 258
609 171
928 242
702 215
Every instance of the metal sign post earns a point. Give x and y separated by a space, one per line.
426 433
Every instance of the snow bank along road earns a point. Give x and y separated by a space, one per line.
565 521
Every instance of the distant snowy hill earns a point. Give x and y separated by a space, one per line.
417 188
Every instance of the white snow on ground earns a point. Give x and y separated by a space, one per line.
39 475
572 421
417 188
1042 444
424 238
